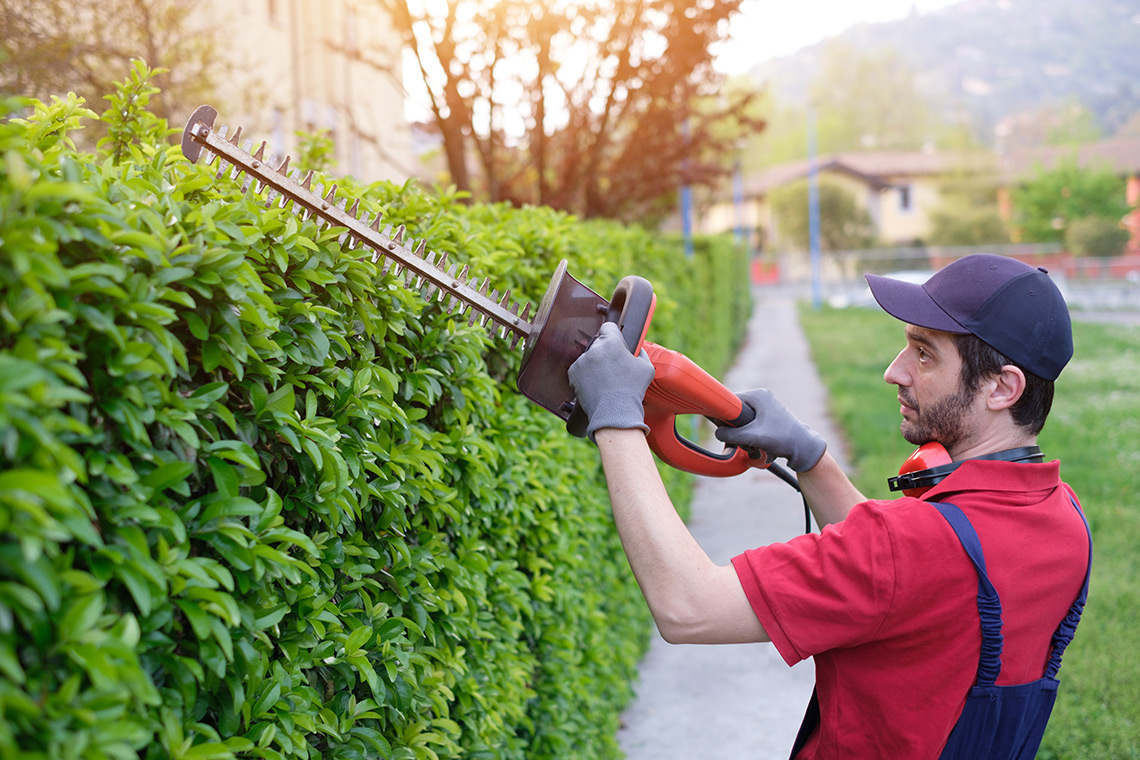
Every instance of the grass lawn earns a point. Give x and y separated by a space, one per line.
1094 429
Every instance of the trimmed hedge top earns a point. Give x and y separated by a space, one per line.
257 500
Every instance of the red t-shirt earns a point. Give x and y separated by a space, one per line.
886 603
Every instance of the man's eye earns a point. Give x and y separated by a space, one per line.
922 354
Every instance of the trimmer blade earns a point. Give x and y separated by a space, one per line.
568 318
421 269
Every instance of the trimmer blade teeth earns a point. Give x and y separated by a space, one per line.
409 259
341 237
478 316
526 312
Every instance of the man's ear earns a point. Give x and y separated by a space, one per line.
1006 388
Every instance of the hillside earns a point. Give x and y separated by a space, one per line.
994 59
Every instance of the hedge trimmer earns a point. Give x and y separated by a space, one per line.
568 318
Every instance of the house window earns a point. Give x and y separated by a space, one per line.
904 198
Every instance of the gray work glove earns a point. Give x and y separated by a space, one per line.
610 383
776 431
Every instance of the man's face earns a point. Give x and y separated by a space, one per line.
934 406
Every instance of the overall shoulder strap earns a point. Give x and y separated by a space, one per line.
989 606
1064 633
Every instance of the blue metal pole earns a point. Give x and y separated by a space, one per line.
686 198
813 211
687 218
738 201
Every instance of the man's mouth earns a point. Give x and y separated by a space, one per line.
906 405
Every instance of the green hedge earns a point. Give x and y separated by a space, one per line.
257 500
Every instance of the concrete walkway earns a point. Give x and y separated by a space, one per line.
738 701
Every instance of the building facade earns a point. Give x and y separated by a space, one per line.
898 190
310 65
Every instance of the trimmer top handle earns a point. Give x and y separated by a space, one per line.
631 309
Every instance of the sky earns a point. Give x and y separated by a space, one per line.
766 29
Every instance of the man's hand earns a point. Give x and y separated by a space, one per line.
610 383
776 431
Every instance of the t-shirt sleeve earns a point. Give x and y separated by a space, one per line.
823 591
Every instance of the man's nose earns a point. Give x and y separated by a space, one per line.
895 373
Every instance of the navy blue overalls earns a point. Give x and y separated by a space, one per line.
998 722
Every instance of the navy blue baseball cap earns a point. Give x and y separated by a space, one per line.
1013 307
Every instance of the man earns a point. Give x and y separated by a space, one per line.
885 597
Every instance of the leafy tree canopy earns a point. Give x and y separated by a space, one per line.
53 47
844 225
862 101
1054 198
603 108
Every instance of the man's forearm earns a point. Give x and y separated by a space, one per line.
830 494
692 599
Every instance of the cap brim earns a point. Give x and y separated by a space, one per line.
912 304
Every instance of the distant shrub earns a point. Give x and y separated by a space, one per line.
1096 236
843 223
967 226
1046 204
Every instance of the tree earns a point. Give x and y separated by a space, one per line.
862 101
52 47
967 225
1067 122
1049 202
1095 236
843 224
869 101
968 213
602 108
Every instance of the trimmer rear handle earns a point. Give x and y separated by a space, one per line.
681 387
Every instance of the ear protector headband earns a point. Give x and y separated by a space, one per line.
930 464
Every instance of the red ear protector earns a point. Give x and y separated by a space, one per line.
930 464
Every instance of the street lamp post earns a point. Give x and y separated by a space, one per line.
686 197
738 196
813 211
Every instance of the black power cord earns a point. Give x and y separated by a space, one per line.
784 474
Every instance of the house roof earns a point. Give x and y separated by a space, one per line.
1121 154
878 170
